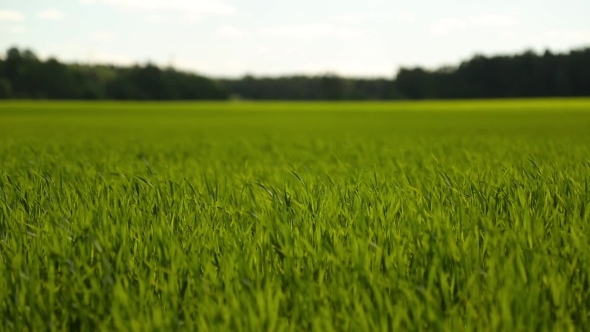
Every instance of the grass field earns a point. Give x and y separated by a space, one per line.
454 216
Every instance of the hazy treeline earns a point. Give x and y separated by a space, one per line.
23 75
326 87
524 75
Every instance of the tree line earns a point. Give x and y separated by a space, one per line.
24 76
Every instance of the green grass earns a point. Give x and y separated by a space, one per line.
455 216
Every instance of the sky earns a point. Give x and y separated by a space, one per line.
231 38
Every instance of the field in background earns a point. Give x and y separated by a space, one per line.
469 215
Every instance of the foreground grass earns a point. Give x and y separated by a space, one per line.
412 216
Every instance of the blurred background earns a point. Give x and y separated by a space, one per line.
303 50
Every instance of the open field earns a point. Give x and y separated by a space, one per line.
295 216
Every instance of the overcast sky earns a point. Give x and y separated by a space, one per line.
272 37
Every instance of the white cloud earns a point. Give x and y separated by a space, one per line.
348 19
305 31
156 19
11 15
396 17
51 14
448 25
263 50
16 30
388 17
578 36
452 24
403 17
348 33
495 21
230 31
235 64
509 35
312 32
102 36
568 35
188 8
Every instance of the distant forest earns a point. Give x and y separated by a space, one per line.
24 76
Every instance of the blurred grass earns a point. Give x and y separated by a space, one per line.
462 215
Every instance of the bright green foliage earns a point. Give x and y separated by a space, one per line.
455 216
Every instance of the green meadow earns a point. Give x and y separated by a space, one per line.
455 216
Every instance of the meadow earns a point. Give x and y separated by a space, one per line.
458 216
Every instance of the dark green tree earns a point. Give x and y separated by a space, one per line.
23 75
